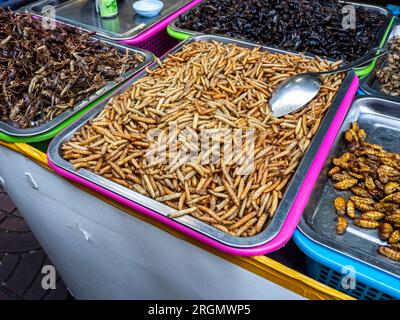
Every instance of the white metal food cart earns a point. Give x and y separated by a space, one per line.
103 250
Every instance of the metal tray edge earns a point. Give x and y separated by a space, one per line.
127 36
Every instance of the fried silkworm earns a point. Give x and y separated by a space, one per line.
377 191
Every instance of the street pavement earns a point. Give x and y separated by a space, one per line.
22 259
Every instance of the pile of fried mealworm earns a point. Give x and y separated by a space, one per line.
206 85
45 72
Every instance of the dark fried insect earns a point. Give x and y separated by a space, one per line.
311 26
340 206
341 225
379 185
390 252
376 194
385 230
361 184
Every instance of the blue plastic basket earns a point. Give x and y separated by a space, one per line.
360 92
394 9
326 266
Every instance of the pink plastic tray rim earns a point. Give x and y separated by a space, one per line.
294 213
160 25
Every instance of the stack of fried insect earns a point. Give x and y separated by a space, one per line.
389 73
373 176
206 86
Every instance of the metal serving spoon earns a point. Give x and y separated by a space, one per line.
297 91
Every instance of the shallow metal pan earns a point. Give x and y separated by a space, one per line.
29 132
274 225
381 120
82 13
374 8
371 84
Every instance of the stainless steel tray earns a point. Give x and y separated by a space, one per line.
273 226
371 84
82 13
381 120
371 7
148 59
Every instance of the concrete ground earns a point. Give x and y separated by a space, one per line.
22 259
